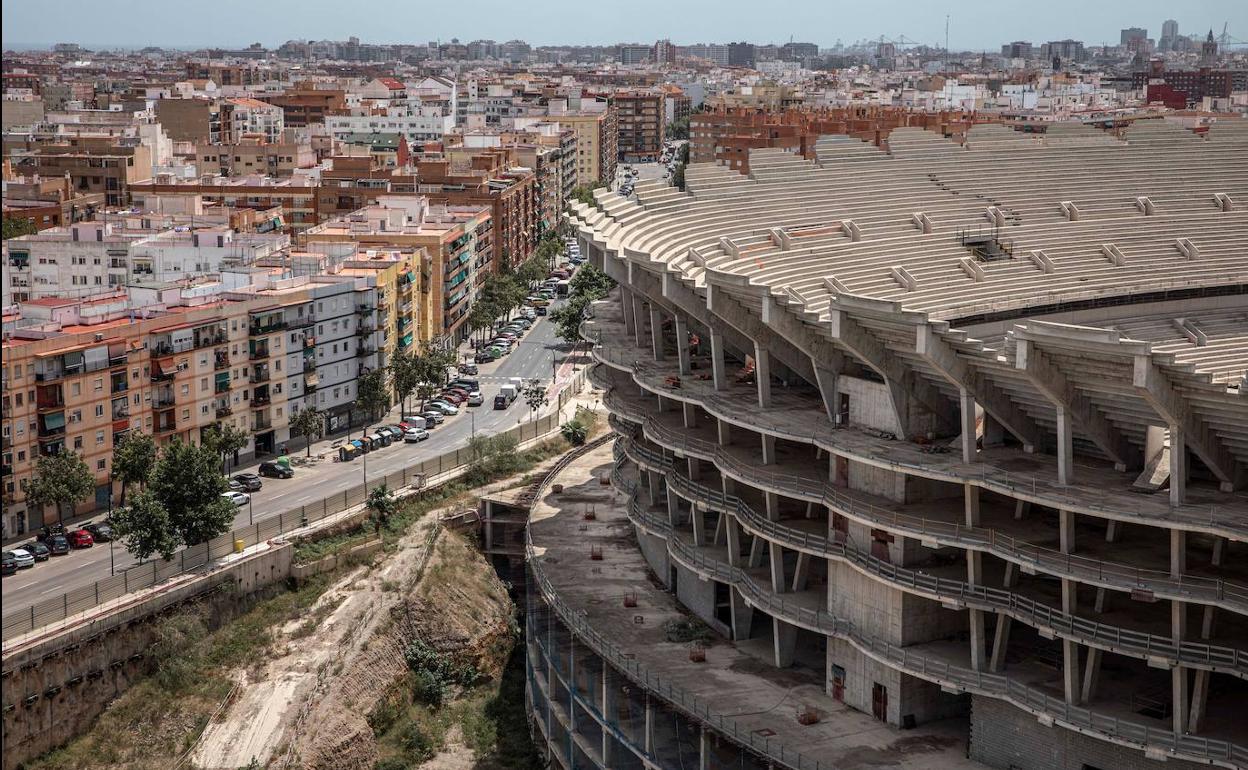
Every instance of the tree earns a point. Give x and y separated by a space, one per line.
225 440
678 177
590 282
61 479
678 129
405 376
134 457
574 432
188 483
370 395
18 226
308 422
567 319
382 504
481 316
583 194
144 527
535 396
536 267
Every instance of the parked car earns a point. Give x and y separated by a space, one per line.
276 471
24 558
238 498
412 435
467 368
58 544
102 531
541 310
445 407
537 301
392 432
234 485
37 550
468 384
433 415
10 564
80 538
501 401
475 398
248 482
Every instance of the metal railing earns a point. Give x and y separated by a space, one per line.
882 453
202 555
931 668
1034 613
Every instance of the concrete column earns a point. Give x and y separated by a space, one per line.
1091 675
1200 701
682 344
718 375
1180 693
1011 575
652 479
639 322
1178 552
771 502
648 743
785 638
801 573
826 379
1113 531
1070 671
673 508
762 375
656 332
699 526
723 431
695 468
775 559
1206 622
704 749
1000 641
994 432
1021 509
756 553
1066 530
721 529
967 404
769 449
1065 447
1098 605
1219 550
689 413
1178 620
626 305
734 541
970 494
1178 465
976 622
742 615
609 715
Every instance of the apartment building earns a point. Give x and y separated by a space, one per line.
297 196
93 257
456 242
253 154
307 103
596 142
95 167
48 202
418 128
244 117
196 120
642 125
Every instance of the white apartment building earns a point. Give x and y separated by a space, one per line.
252 116
92 257
416 127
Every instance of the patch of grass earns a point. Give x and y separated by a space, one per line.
686 630
160 717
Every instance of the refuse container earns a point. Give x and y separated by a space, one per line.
239 545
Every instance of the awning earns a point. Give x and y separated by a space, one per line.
411 276
54 421
406 340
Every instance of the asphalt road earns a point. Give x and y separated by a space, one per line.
532 358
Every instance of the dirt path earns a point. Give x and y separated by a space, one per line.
265 718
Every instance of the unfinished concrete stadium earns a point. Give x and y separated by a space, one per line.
948 442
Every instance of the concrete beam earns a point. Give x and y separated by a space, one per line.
656 332
1055 387
801 573
729 311
1091 675
682 344
742 615
822 353
1200 701
762 374
775 561
785 638
1000 641
1156 389
944 359
902 381
826 381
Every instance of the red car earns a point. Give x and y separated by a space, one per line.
453 397
80 538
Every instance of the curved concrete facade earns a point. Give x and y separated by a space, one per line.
967 491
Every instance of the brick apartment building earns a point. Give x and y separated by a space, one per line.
304 104
642 124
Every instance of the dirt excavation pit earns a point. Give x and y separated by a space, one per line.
308 707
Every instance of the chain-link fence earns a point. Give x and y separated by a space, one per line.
202 555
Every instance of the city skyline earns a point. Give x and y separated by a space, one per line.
971 25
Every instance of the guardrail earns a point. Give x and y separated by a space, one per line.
1096 571
1036 614
820 432
202 555
928 667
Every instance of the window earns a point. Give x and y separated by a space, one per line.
77 442
99 437
99 410
186 389
186 414
75 416
101 464
75 389
18 399
98 385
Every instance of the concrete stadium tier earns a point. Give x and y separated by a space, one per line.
952 431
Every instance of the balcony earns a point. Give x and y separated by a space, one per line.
302 322
258 352
309 341
51 425
268 327
160 374
119 384
364 350
221 361
260 424
224 411
117 360
49 398
261 401
259 374
163 401
311 382
206 338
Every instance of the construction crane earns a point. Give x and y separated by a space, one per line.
1225 41
901 42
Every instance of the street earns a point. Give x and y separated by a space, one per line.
534 358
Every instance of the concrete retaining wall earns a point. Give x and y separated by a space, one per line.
54 687
301 572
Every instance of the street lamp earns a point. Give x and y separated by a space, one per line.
251 511
112 568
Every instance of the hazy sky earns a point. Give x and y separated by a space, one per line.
974 24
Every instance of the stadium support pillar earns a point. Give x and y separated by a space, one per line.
682 344
718 375
656 332
762 375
